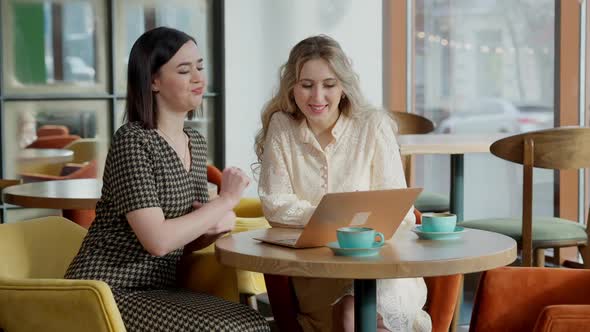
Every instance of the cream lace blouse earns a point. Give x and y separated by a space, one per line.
296 172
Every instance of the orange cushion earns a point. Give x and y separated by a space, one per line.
511 299
564 318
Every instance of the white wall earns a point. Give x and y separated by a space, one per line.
258 37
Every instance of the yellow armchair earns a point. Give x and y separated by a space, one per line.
85 150
201 272
33 294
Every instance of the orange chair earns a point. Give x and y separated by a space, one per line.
71 171
88 171
443 292
512 299
53 142
214 176
52 130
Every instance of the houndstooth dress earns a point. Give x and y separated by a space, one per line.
142 170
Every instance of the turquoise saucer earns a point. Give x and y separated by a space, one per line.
439 235
354 252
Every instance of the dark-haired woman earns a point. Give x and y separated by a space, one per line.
154 198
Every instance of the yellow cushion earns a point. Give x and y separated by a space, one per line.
85 150
249 208
41 168
250 282
200 271
39 248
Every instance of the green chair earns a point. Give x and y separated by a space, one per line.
412 124
558 148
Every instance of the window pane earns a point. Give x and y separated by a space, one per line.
486 66
137 16
53 46
202 121
119 113
86 119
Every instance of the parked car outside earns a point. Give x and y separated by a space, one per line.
535 117
484 115
496 115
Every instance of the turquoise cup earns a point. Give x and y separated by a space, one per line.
358 237
439 222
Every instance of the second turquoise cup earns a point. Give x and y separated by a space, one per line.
439 222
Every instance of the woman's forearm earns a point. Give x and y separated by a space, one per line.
159 236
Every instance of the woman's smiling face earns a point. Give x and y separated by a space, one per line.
317 94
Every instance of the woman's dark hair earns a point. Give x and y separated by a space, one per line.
150 52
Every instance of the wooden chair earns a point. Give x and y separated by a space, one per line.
414 124
558 148
410 123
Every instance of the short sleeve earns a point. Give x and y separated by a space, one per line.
131 164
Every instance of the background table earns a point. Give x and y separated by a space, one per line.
454 145
45 155
78 194
403 256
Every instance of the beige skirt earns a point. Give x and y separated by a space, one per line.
315 297
399 301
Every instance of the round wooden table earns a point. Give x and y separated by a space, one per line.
45 156
78 194
403 256
75 194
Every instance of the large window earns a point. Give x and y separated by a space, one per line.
485 66
64 64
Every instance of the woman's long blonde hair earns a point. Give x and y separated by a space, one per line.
316 47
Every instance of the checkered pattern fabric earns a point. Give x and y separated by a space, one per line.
142 170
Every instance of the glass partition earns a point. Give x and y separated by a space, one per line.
82 120
136 16
485 67
53 47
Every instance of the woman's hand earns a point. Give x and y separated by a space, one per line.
233 183
224 225
220 228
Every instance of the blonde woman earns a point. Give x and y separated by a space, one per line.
319 135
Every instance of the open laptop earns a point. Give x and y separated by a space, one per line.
382 210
